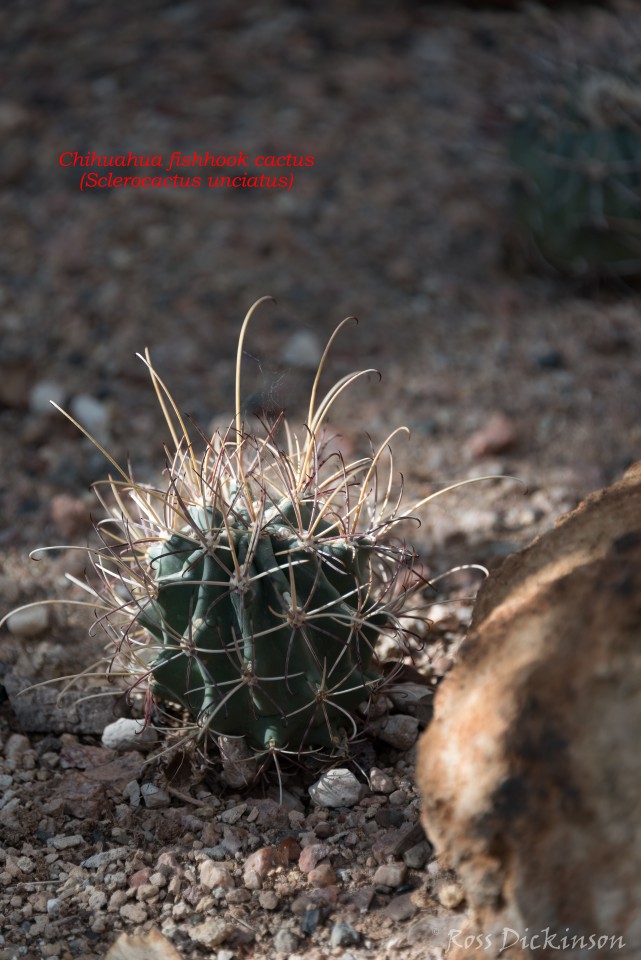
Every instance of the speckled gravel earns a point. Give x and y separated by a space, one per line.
239 871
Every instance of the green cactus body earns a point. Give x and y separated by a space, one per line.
577 189
260 633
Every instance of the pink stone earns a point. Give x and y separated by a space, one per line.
140 877
260 864
322 876
311 856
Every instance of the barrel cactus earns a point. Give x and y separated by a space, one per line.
576 157
251 587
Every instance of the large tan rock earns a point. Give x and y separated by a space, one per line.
530 771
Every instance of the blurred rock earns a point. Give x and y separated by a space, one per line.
70 515
92 414
498 435
150 945
30 621
303 349
529 771
41 395
399 731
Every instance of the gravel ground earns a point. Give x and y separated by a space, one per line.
402 220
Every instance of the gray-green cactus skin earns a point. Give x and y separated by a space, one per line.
577 187
267 630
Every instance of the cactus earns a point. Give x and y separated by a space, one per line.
266 623
252 587
577 187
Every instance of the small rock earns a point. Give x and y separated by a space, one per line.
213 877
343 935
311 856
70 515
361 899
399 730
390 874
238 895
211 932
239 762
64 843
260 864
451 895
498 435
234 813
43 393
337 788
380 782
53 906
268 899
285 941
386 844
398 798
322 876
167 864
132 793
303 349
139 878
125 734
147 891
16 745
407 696
91 414
400 908
135 912
29 621
153 796
289 848
105 857
417 856
97 900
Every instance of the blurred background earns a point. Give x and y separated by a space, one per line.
405 220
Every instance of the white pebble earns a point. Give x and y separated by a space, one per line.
211 932
399 731
380 782
213 876
337 788
64 843
91 414
303 349
30 621
16 746
43 394
126 734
